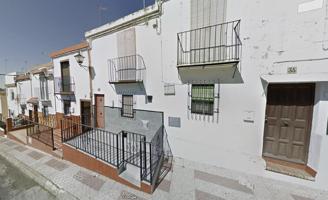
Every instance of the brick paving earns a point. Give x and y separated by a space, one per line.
58 165
21 148
187 181
35 155
89 180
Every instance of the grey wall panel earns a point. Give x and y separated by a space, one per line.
116 123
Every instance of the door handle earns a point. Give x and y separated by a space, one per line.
286 123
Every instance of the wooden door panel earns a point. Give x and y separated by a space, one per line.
288 121
100 119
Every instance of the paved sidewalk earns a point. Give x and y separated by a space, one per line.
188 181
16 185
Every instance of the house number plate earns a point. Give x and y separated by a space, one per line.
291 70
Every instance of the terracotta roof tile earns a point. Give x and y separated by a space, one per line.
69 49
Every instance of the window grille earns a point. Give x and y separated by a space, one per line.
202 99
127 105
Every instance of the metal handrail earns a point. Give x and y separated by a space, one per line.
113 147
209 26
38 131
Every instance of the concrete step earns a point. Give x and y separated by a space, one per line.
132 175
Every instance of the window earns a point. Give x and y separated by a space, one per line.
23 107
202 99
12 95
44 88
67 107
65 75
127 105
45 111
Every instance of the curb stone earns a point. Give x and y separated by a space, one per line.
40 179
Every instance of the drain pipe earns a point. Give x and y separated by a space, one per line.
90 69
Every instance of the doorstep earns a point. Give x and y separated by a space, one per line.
290 169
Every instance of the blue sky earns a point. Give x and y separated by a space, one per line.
31 29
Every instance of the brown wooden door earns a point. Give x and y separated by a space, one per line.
288 121
100 119
36 113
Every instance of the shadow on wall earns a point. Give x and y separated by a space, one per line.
265 85
130 89
66 97
215 74
143 122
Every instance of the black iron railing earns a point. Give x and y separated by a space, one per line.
64 85
127 69
131 147
20 121
99 143
42 133
118 149
209 45
156 153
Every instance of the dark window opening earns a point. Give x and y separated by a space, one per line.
12 95
45 111
67 107
127 105
65 75
202 99
149 99
44 87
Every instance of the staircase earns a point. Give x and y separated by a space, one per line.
131 174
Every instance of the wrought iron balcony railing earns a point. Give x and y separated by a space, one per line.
64 85
210 45
127 69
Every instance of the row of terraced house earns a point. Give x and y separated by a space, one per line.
236 84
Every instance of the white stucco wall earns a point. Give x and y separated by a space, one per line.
12 104
274 38
24 92
35 78
80 76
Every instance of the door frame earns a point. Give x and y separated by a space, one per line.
36 113
308 139
81 108
95 109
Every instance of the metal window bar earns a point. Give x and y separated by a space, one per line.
127 106
208 45
202 99
64 85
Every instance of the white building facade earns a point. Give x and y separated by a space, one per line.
236 84
31 94
10 84
72 83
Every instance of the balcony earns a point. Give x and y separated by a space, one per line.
64 86
127 69
212 45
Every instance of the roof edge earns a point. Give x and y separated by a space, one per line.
137 17
69 49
